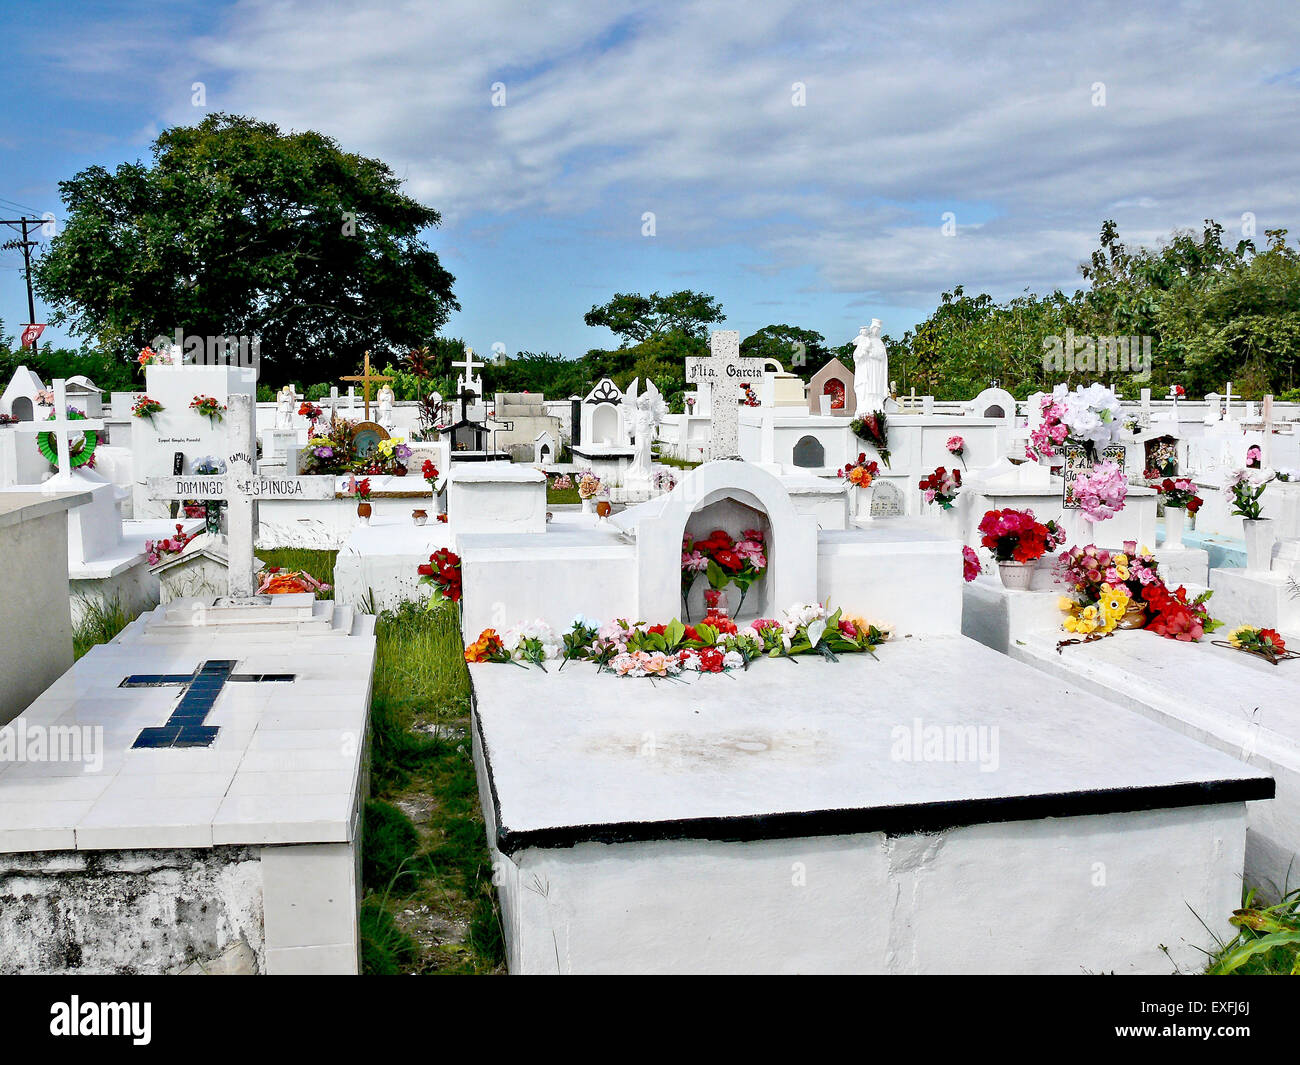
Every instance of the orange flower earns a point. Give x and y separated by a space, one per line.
484 648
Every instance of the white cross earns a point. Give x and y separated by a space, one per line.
62 427
1227 403
469 365
242 488
722 370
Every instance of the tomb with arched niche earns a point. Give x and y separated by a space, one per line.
630 796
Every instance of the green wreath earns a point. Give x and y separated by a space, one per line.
78 456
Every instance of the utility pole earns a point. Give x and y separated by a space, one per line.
26 246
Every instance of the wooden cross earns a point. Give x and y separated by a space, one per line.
62 427
366 378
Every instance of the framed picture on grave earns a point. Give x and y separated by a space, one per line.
1077 462
366 437
1162 456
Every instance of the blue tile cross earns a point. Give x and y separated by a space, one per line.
185 727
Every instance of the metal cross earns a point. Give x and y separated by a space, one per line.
366 377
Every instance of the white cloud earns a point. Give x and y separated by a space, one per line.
685 110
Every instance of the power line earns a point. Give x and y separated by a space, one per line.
26 246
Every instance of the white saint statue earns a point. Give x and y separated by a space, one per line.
870 369
285 407
644 412
386 399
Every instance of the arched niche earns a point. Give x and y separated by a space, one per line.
791 537
21 408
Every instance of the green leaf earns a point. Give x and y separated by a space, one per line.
673 633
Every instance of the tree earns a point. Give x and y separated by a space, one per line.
800 350
239 230
638 318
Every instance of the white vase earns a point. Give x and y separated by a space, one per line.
950 522
1259 544
587 506
862 501
1016 576
1175 522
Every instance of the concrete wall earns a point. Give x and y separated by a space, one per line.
35 614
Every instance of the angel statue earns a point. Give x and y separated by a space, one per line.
870 369
643 412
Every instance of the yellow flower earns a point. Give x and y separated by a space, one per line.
1113 603
1234 637
1120 560
1066 603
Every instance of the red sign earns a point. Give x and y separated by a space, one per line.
31 334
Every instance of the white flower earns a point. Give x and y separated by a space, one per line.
732 660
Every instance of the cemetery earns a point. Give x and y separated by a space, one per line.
373 607
665 678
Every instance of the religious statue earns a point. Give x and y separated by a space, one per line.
644 412
386 400
870 369
285 406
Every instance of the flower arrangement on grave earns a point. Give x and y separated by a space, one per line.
149 357
1095 577
1017 536
588 485
430 473
533 642
80 453
44 397
970 563
1177 392
874 429
1266 643
1246 487
359 490
312 413
392 455
628 649
562 481
144 407
487 648
209 408
1050 432
8 419
1179 493
941 487
331 452
861 473
749 398
1254 457
957 448
443 572
158 550
835 389
726 560
1101 491
664 481
275 581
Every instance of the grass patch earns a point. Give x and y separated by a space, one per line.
678 464
430 905
101 620
1267 941
562 495
320 564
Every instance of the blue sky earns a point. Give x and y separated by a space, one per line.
1023 125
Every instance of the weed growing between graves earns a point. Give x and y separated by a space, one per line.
320 564
1267 941
562 495
676 463
430 906
101 620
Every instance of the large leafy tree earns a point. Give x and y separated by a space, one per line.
801 350
237 229
637 318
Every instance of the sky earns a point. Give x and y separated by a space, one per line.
816 164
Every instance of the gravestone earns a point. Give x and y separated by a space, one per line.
723 370
240 488
809 453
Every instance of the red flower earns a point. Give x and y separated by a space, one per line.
729 561
710 660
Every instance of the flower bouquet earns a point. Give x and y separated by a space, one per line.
1175 616
730 561
1016 539
275 581
332 451
1101 491
874 429
159 550
312 413
209 408
144 407
360 491
970 563
487 648
1050 432
1265 643
861 473
588 486
1180 499
1246 487
941 487
430 473
443 572
149 357
533 641
957 448
392 454
562 482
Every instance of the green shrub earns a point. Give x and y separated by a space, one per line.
388 844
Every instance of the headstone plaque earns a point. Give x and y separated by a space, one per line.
1077 462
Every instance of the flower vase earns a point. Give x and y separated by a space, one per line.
950 522
363 513
1016 576
399 470
1259 544
1175 522
862 502
419 516
587 505
716 602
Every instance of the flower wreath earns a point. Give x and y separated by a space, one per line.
78 456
